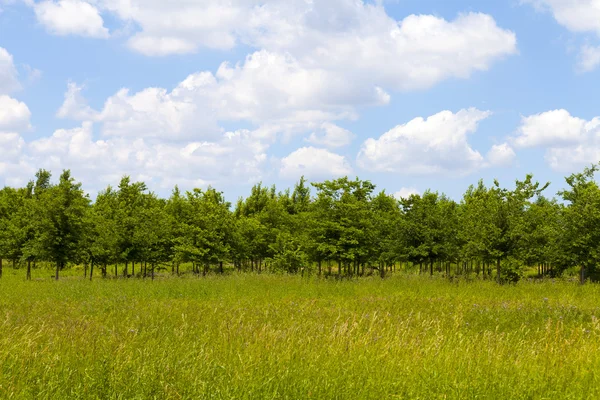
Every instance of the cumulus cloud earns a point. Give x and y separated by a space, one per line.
71 17
334 30
570 142
575 15
331 135
589 58
580 16
14 169
312 64
14 115
14 119
75 105
553 128
8 73
434 145
238 156
405 193
12 145
339 40
501 155
314 163
267 90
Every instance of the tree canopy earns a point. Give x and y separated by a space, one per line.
339 227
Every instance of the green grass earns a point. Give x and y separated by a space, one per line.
280 337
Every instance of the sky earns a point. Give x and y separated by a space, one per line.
410 94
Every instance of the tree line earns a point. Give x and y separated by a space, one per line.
339 227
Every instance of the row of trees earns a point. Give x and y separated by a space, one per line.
338 227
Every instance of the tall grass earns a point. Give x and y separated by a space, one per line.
282 337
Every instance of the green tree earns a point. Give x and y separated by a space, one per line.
581 221
60 214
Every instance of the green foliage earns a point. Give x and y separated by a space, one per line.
344 223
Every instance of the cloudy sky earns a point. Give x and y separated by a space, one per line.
411 94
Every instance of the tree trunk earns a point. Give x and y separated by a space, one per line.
116 271
133 269
28 270
221 267
339 267
91 270
57 269
431 267
0 267
126 268
152 267
582 275
177 267
498 271
319 264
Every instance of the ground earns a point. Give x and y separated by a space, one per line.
284 337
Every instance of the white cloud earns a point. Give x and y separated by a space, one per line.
553 128
71 17
573 158
580 16
589 58
314 163
570 142
345 40
14 118
161 46
416 52
8 73
14 115
14 170
501 155
575 15
267 90
331 136
238 157
405 193
12 145
156 113
434 145
75 106
313 64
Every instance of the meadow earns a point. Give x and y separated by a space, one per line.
287 337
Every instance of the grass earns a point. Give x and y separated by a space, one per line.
283 337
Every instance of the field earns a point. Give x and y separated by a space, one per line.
285 337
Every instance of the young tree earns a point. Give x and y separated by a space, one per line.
60 214
581 222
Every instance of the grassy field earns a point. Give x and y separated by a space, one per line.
280 337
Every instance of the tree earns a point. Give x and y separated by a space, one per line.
60 214
129 201
581 222
206 229
493 222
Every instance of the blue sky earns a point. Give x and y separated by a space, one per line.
411 94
